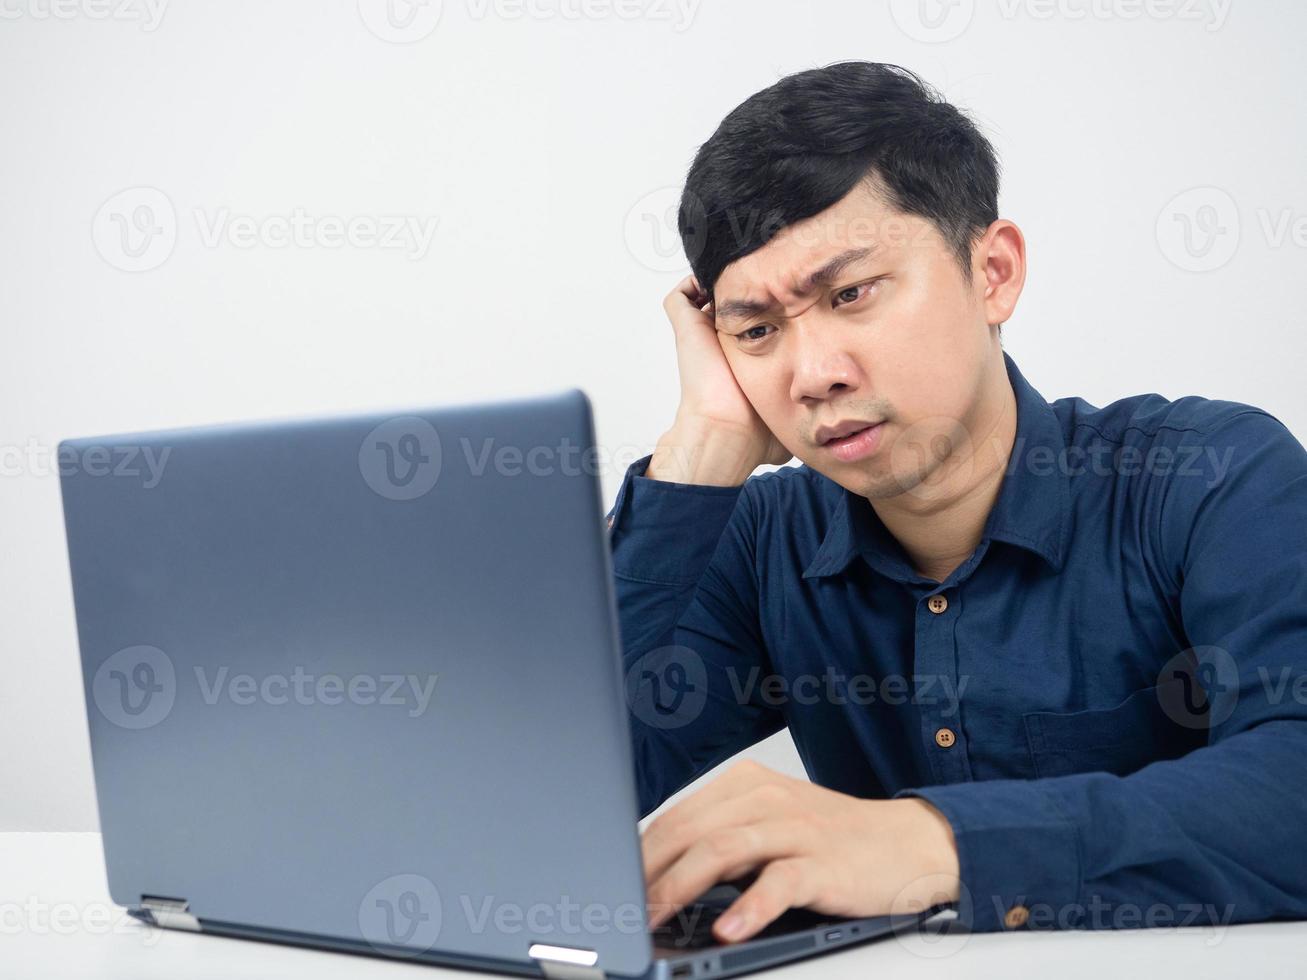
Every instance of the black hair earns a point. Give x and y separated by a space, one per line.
797 147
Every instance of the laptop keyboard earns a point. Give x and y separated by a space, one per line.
691 928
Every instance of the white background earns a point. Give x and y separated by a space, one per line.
546 141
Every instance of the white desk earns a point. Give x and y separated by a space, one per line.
57 921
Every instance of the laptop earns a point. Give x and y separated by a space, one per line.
356 683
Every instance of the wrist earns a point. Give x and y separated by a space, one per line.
698 452
933 848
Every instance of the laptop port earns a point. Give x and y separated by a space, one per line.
683 970
833 935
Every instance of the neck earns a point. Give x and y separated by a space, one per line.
940 521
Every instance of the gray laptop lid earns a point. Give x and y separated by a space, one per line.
359 678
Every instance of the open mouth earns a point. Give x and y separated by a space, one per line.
846 438
856 445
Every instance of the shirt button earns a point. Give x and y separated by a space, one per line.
937 604
945 738
1016 917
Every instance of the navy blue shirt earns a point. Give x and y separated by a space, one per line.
1107 700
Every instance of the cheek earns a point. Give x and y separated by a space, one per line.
933 285
750 372
935 315
934 339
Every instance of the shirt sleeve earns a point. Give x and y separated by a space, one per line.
1214 836
686 590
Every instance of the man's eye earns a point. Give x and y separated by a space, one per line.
853 291
749 337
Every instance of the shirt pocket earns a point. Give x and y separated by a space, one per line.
1117 740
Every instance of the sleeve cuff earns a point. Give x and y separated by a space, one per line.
1018 854
666 532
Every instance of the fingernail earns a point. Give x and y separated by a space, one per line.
731 925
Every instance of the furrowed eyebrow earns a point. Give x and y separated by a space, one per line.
742 309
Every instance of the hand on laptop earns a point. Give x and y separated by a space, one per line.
812 847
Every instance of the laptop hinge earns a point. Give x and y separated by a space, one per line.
566 962
170 913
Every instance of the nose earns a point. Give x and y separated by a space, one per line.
822 365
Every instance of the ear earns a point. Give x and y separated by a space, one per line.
998 270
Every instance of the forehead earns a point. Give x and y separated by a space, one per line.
862 220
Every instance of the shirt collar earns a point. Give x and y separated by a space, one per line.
1031 512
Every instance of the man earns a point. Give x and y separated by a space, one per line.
1042 660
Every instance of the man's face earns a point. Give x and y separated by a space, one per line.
896 336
